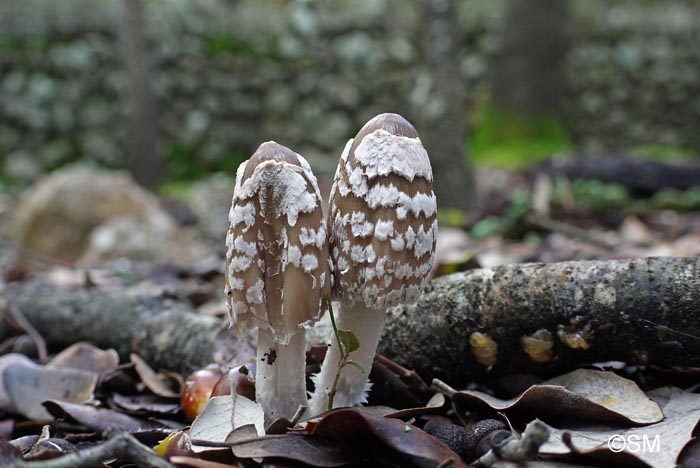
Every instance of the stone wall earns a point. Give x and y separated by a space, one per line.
232 73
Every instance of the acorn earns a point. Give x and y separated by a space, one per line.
197 390
244 379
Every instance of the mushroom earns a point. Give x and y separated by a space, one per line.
382 228
277 269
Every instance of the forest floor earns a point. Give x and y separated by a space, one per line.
70 398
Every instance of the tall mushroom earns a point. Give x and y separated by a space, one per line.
382 224
277 269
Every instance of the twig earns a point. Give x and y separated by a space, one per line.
442 387
120 445
516 449
599 239
298 414
15 317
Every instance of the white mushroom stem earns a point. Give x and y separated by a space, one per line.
353 386
280 386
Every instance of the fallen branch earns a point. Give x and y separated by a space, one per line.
645 177
120 445
165 333
534 316
505 319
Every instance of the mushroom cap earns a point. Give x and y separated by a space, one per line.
277 265
382 217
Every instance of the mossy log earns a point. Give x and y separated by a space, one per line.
510 318
537 316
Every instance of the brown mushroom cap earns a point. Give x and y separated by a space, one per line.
382 218
277 268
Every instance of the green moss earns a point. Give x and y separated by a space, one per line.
597 196
680 200
487 227
179 190
513 141
451 217
183 163
520 204
664 153
228 45
13 45
180 160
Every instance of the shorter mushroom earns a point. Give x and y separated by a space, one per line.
277 269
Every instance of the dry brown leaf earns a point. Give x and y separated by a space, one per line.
199 463
151 379
409 442
656 446
26 385
217 420
435 403
309 450
97 419
582 395
87 357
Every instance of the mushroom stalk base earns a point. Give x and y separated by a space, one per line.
280 383
353 385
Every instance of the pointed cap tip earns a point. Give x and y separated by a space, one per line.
270 151
390 122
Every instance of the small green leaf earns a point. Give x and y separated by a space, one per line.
349 340
354 364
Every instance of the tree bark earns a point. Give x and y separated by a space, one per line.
644 311
443 111
140 115
528 74
167 334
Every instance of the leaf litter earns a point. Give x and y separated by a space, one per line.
657 445
582 394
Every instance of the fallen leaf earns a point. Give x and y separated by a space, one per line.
664 440
151 379
582 394
6 361
214 424
87 357
144 404
97 419
414 445
27 385
199 463
313 451
242 433
435 403
9 454
394 385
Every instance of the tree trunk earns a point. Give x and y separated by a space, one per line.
140 114
443 110
528 75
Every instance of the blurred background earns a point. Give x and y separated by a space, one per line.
179 93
